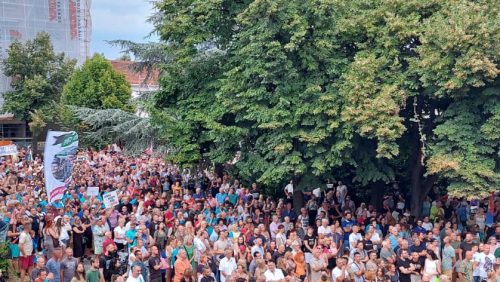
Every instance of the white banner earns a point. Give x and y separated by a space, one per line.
60 152
110 199
8 150
92 191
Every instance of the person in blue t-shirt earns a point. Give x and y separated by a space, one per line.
221 196
130 235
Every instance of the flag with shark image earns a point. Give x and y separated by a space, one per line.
59 155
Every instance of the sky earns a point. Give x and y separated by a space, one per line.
119 19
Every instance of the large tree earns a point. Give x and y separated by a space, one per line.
38 75
374 91
97 85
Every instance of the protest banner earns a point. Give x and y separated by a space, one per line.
59 154
8 150
110 199
92 191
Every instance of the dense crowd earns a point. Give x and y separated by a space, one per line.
179 225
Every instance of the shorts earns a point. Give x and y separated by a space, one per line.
14 251
26 262
448 273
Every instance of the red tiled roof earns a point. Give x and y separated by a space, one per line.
132 77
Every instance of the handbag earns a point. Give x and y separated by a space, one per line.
55 242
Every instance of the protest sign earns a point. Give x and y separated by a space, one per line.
110 199
92 191
8 150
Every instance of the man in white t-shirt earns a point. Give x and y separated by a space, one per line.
354 237
136 275
273 227
273 274
427 225
484 263
324 228
26 249
340 272
289 190
227 265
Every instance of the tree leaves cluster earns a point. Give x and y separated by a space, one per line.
38 76
45 83
373 90
97 85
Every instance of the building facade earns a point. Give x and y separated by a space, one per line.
69 25
140 82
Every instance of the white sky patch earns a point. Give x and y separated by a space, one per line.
119 19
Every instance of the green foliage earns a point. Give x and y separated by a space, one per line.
119 126
5 260
365 89
147 56
466 150
38 76
97 85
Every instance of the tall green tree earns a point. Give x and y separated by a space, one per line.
38 76
97 85
373 91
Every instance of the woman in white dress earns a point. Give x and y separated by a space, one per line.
432 268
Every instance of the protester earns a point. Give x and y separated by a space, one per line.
169 224
79 273
93 274
26 248
68 265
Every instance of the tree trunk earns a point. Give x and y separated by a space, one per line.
377 191
219 170
298 197
419 188
416 183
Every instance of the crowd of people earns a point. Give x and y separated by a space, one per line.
176 225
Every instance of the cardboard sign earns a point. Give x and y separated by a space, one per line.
110 199
9 150
92 191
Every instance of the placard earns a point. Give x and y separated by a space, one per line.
92 191
110 199
9 150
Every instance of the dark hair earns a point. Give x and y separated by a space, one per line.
42 271
80 276
433 255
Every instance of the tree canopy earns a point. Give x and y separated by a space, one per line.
97 85
38 76
364 90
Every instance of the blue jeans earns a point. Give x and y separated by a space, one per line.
479 279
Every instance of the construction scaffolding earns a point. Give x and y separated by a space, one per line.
67 21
